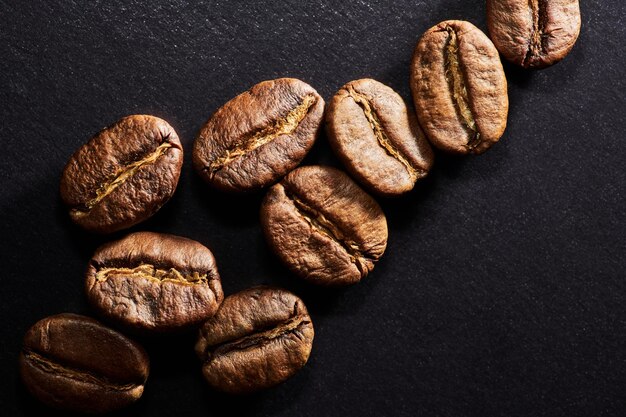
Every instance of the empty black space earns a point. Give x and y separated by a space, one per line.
503 288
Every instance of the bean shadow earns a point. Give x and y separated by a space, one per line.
232 210
171 355
519 77
268 402
82 242
322 153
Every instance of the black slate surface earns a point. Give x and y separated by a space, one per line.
502 292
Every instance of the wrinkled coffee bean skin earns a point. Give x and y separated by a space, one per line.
154 282
259 338
258 136
323 226
533 33
459 88
74 363
123 175
377 138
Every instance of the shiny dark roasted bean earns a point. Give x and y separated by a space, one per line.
258 136
377 137
533 33
258 338
123 175
459 88
154 282
323 226
73 362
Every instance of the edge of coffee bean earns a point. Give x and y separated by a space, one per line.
260 337
154 282
75 363
459 88
377 137
109 183
323 226
260 135
534 34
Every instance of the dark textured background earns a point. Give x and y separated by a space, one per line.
502 292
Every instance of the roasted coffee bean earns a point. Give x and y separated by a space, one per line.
459 88
533 33
154 282
258 338
258 136
323 227
123 175
377 138
74 363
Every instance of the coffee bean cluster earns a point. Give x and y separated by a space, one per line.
325 227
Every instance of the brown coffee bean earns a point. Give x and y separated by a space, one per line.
123 175
73 362
258 136
377 138
533 33
459 88
258 338
323 227
154 282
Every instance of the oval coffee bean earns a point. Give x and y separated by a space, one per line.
123 175
259 338
533 33
377 138
258 136
459 88
154 282
323 227
73 362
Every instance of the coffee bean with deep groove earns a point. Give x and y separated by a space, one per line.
152 282
323 226
74 363
459 88
259 338
377 137
533 33
258 136
123 175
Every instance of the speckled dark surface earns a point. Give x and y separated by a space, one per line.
503 290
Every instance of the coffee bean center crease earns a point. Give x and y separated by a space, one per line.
150 272
48 366
383 140
322 225
249 143
120 177
536 45
260 338
458 89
